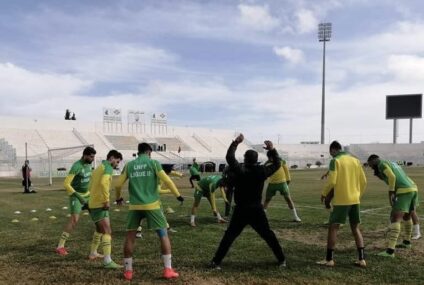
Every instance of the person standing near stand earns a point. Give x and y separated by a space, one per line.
26 178
194 172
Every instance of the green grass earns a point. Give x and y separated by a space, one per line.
27 248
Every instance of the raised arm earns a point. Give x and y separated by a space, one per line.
231 152
274 158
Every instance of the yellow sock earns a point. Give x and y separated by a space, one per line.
107 244
408 230
63 238
393 234
97 237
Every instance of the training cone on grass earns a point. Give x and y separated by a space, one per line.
85 214
15 221
52 217
34 219
48 210
33 211
169 210
17 212
65 208
68 215
117 210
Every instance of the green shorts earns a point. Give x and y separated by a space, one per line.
155 219
198 194
272 189
339 213
405 202
99 214
75 205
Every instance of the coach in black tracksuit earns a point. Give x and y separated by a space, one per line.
249 182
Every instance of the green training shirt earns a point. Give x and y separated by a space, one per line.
209 182
403 183
142 174
82 172
195 169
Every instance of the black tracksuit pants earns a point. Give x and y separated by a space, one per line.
229 194
256 218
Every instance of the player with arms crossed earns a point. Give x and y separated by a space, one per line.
76 185
143 174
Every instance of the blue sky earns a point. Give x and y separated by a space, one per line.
251 66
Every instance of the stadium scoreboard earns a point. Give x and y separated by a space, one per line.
404 106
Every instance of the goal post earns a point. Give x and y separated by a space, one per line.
61 158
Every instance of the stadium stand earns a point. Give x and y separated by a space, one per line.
413 153
59 138
173 143
182 145
18 137
102 145
123 142
7 158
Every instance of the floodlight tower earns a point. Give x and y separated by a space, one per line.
324 35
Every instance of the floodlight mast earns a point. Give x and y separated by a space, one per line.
324 35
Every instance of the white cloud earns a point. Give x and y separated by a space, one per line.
257 17
21 87
400 37
292 55
306 21
170 63
406 67
26 92
118 62
187 92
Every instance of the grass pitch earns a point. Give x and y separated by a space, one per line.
27 248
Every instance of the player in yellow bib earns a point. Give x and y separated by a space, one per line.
346 179
279 182
99 208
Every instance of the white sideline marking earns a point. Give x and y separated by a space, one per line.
375 209
307 206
